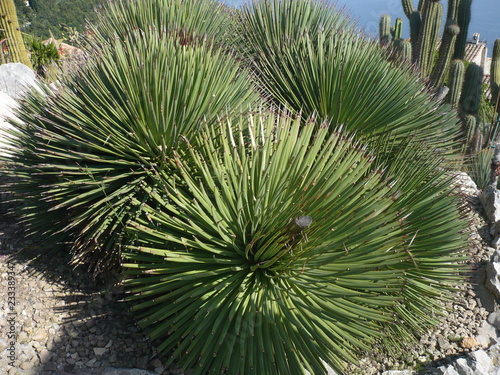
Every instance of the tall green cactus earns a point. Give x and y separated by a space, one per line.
463 19
415 23
465 88
472 91
495 76
457 73
9 26
432 13
425 25
385 30
473 134
446 50
397 29
408 7
402 50
453 9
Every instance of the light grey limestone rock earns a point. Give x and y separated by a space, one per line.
493 274
463 368
447 370
494 319
481 361
465 184
490 199
16 79
487 335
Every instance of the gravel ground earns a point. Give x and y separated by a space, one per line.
65 323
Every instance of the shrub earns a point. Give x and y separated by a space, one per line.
84 149
230 274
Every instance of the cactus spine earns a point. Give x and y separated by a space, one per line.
495 76
463 19
457 73
470 99
10 27
385 29
445 53
432 14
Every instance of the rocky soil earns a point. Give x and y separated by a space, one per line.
60 321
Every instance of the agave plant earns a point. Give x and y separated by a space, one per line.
191 21
285 250
321 66
82 150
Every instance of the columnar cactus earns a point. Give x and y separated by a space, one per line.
446 49
385 29
432 13
495 76
463 19
473 133
472 92
415 23
9 27
453 9
408 7
402 50
457 73
397 29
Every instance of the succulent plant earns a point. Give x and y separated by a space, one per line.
9 29
287 249
82 157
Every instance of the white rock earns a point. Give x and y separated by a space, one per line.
465 183
447 370
463 368
493 274
16 79
482 361
494 319
490 199
398 372
487 335
99 351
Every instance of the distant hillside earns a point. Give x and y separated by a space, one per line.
40 17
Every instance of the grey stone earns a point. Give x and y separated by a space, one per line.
482 361
490 199
462 367
487 335
16 79
126 371
494 319
484 296
493 274
99 351
398 372
443 370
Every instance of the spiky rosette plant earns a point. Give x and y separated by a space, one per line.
285 249
190 21
336 73
83 150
